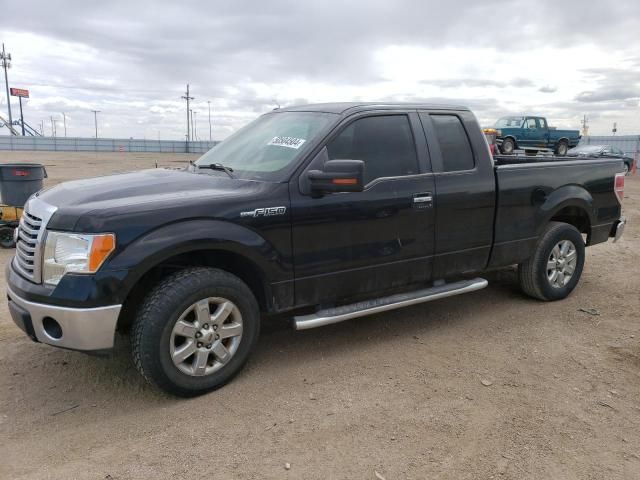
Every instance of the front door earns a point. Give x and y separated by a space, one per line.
349 245
530 134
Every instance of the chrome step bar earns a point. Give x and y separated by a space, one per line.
347 312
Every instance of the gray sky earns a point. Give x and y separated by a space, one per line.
131 60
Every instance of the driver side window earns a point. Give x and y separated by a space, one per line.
384 143
530 123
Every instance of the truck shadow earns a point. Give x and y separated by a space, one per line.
76 375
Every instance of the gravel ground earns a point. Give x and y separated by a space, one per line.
486 385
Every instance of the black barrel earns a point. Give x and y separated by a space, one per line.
18 181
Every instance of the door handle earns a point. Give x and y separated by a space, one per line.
423 198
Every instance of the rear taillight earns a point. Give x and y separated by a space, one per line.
618 186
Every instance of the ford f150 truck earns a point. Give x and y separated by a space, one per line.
319 212
533 134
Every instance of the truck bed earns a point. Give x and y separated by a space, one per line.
526 185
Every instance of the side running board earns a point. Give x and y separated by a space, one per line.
369 307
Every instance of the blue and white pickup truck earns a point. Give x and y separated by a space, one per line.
533 134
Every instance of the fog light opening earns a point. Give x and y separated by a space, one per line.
53 328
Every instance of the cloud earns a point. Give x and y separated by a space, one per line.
245 57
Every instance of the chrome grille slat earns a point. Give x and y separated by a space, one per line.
28 229
28 258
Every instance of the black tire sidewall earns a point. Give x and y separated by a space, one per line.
6 244
565 232
561 146
164 315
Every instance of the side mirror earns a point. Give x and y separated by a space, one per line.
337 176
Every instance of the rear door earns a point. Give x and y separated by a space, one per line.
465 192
356 244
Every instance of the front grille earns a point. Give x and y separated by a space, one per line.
27 245
29 242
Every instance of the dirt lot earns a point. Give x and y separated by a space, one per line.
401 393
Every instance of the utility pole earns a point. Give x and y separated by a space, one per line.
613 130
6 64
188 98
64 119
191 120
95 119
209 102
585 126
53 127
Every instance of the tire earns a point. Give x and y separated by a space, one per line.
508 146
159 342
562 148
6 237
536 278
626 169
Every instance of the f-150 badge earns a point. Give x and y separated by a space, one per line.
264 212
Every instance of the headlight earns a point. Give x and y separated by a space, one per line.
74 252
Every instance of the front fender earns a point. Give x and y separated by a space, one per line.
158 245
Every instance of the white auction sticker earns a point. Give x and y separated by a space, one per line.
289 142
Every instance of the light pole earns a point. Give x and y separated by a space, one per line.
6 64
64 119
95 119
209 102
195 125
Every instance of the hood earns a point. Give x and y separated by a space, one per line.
144 193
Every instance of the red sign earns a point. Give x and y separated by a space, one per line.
20 92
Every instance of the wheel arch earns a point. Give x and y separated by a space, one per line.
570 204
224 245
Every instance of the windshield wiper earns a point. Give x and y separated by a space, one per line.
216 166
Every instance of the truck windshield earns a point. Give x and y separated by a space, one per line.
265 148
506 122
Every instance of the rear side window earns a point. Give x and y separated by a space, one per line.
385 144
542 122
454 143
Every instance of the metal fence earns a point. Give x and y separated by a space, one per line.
629 144
77 144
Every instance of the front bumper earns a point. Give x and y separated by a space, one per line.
86 329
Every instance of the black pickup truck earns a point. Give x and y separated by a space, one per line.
320 212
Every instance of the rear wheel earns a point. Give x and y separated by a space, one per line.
562 148
553 271
508 146
195 331
626 168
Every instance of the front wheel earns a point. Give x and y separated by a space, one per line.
508 146
195 331
554 269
